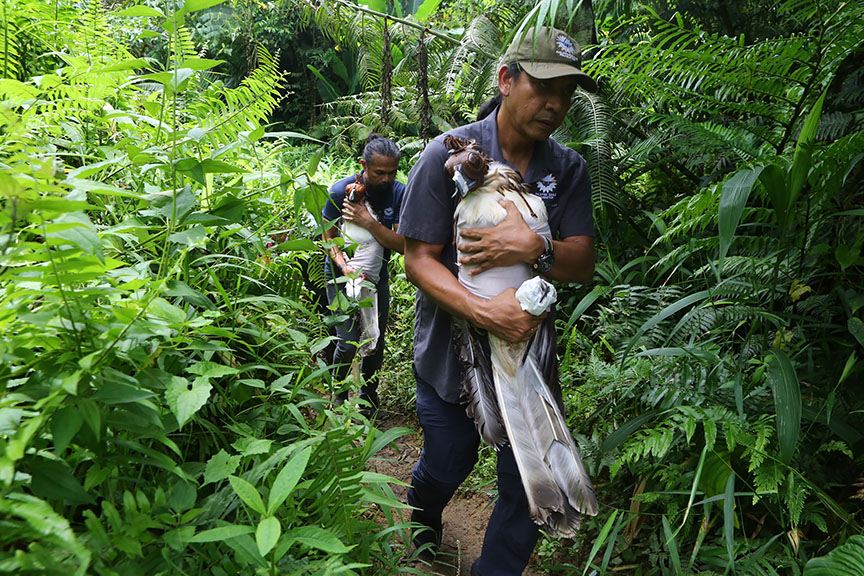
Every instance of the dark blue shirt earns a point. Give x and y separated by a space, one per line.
557 174
385 206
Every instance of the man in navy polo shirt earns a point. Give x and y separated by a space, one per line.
384 195
536 81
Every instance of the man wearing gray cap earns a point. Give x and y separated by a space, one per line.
536 81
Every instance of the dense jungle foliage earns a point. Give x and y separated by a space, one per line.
165 407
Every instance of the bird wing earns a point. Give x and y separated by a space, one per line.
514 401
478 387
554 441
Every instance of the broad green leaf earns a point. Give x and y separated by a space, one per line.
426 9
75 228
586 302
218 167
267 534
164 310
140 10
185 398
64 426
787 402
200 63
287 479
194 237
847 256
252 446
317 538
120 393
296 245
247 493
91 414
801 161
736 191
845 560
856 328
377 5
222 533
128 64
328 91
729 519
197 5
220 466
54 480
211 369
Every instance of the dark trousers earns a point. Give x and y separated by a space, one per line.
450 443
348 333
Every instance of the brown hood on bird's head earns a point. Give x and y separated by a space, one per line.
465 155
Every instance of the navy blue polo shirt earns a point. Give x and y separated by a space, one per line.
386 206
557 174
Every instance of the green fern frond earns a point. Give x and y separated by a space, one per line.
225 112
10 58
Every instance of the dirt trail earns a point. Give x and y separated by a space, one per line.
464 518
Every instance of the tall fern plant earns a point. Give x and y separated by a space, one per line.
721 349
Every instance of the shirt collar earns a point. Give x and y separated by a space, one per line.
541 161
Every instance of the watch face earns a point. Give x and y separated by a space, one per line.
544 263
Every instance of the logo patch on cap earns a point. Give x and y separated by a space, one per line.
564 47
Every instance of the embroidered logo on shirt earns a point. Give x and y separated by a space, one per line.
546 187
564 47
388 212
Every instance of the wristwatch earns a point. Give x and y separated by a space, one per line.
546 259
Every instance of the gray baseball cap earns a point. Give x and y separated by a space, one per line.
549 54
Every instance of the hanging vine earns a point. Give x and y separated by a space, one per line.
386 71
423 87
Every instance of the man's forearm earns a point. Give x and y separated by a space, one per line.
574 260
387 237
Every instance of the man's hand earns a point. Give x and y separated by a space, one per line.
357 213
504 317
510 242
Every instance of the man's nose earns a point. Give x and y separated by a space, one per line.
557 102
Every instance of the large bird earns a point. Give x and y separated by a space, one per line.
509 385
367 257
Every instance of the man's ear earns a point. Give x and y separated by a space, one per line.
504 80
363 163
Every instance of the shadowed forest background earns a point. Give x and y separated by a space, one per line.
166 407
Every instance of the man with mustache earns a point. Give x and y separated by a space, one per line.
536 81
383 195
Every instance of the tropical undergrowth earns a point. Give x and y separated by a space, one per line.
716 356
163 408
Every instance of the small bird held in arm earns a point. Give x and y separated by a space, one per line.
508 385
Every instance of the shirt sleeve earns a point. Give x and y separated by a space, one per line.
577 217
333 207
428 206
398 200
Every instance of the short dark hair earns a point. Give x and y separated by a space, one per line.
487 107
380 146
